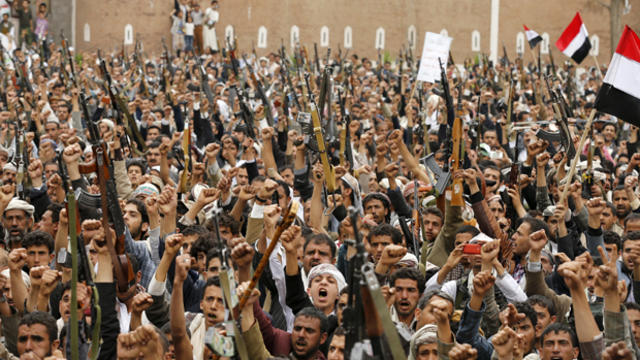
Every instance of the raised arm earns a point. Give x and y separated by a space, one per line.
178 322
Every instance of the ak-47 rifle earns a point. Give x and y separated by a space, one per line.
167 56
21 158
186 150
365 299
505 57
315 57
266 103
564 135
204 84
457 154
288 216
228 285
65 48
122 111
442 175
329 173
137 56
587 176
346 152
80 271
109 204
553 64
284 69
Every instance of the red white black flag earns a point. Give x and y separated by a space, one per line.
574 41
620 92
532 37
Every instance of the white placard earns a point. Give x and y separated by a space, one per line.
435 46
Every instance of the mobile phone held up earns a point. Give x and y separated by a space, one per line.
472 249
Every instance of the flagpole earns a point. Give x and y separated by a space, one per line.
595 59
574 162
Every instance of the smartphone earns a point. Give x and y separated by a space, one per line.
472 249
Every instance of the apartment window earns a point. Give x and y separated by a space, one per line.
262 37
128 34
324 36
544 48
380 38
520 43
475 40
347 37
595 45
87 33
294 36
411 37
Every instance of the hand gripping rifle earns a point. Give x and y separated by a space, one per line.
564 135
21 157
228 285
287 219
266 103
204 84
329 174
346 152
80 271
442 175
118 103
365 299
101 165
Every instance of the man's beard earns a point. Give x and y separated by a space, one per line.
307 354
14 239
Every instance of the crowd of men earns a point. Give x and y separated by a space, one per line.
175 175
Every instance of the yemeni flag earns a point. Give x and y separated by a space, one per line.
620 92
532 37
574 41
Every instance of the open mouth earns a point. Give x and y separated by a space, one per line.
323 293
404 304
212 317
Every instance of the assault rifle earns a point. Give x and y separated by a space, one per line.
21 157
329 173
122 111
365 299
109 204
266 103
80 271
564 135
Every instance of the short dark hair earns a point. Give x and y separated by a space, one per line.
408 273
632 235
543 301
631 217
194 230
611 237
38 238
141 163
527 309
320 239
202 244
433 211
632 306
55 209
386 230
313 312
468 229
227 220
212 281
141 207
535 225
213 252
424 300
42 318
558 327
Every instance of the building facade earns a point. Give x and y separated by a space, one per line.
363 26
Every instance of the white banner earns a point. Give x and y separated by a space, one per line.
436 47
